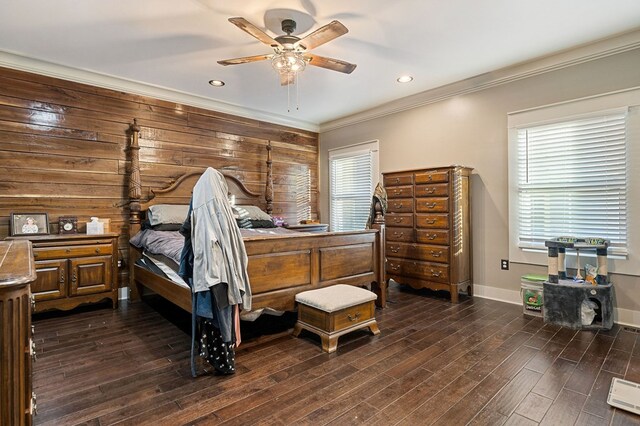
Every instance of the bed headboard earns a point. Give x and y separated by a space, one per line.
179 190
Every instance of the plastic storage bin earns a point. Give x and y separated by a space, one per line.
532 294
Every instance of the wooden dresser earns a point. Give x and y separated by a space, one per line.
428 237
74 269
17 271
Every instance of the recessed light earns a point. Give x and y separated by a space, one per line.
404 79
216 83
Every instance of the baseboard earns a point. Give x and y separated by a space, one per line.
499 294
626 317
123 293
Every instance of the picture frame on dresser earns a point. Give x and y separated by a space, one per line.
29 224
68 225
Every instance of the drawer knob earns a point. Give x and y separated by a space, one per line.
434 254
354 317
32 350
61 275
432 236
430 221
430 178
397 180
98 250
74 278
68 250
33 330
430 190
435 273
430 205
398 234
394 249
394 267
398 205
34 406
33 302
397 220
35 255
396 192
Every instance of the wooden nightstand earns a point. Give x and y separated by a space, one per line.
74 269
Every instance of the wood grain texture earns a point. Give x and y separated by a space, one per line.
433 363
63 150
17 271
433 214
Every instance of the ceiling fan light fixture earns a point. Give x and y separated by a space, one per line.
216 83
404 79
288 62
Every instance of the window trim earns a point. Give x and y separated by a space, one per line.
372 146
628 99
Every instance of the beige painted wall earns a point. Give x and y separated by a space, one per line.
472 130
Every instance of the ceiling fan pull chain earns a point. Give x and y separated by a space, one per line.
297 82
288 96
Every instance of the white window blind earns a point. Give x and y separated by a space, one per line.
351 186
572 180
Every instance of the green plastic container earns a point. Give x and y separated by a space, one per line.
532 294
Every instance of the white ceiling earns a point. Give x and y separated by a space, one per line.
175 44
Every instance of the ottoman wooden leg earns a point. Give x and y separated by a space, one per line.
374 328
296 330
329 344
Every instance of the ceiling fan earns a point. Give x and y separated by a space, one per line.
290 52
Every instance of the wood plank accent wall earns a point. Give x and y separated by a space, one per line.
63 150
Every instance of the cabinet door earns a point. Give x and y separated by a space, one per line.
90 275
51 279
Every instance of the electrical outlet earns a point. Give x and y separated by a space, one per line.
504 264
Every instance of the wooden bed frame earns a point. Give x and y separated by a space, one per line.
279 267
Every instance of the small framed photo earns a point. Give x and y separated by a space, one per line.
29 224
68 225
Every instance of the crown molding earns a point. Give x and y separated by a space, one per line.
106 81
556 61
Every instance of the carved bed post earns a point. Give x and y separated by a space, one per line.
135 194
268 193
378 223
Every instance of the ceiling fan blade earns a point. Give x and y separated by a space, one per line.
330 63
256 32
333 29
245 60
286 79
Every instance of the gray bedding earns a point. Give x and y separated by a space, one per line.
169 243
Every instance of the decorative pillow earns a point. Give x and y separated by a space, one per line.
250 212
252 224
167 214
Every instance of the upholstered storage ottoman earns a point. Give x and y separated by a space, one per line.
333 311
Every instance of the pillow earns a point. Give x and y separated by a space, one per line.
250 212
167 213
252 224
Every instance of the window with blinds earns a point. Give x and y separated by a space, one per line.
572 180
351 187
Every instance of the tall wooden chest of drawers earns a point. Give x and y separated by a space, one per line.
74 269
428 237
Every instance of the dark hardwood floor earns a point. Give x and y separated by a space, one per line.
478 362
